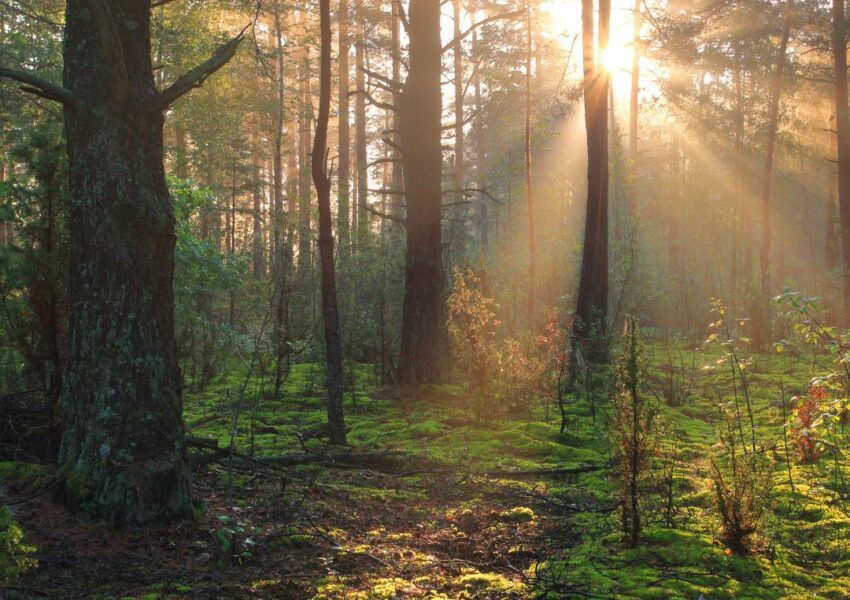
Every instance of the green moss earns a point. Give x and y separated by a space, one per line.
519 514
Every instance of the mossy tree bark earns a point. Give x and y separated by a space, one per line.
123 456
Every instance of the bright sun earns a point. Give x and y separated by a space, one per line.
564 24
617 58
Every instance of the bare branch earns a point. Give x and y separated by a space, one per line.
372 100
384 191
472 190
474 26
383 161
383 215
389 83
38 86
195 78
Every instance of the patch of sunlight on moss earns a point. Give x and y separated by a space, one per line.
480 583
261 584
342 588
518 514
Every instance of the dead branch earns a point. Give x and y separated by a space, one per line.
195 78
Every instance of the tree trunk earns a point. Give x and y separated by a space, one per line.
397 172
258 251
529 196
634 107
305 233
459 175
744 197
123 456
592 304
282 263
344 171
422 318
738 191
775 91
181 153
842 127
360 126
831 243
2 222
478 135
333 343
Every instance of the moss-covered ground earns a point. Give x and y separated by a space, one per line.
471 505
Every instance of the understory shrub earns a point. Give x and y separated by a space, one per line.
15 554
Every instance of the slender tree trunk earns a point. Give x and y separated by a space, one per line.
592 304
674 222
831 243
305 233
529 194
181 153
459 176
773 124
422 318
360 126
842 127
344 171
744 197
282 263
634 107
478 135
333 343
2 223
738 188
258 251
397 171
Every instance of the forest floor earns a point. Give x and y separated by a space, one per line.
434 502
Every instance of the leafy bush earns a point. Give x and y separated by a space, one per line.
14 553
472 325
519 373
803 432
742 485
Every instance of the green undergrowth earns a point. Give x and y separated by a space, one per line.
803 551
434 422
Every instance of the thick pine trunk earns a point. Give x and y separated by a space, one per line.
422 319
592 305
123 457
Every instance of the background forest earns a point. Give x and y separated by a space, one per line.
462 299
